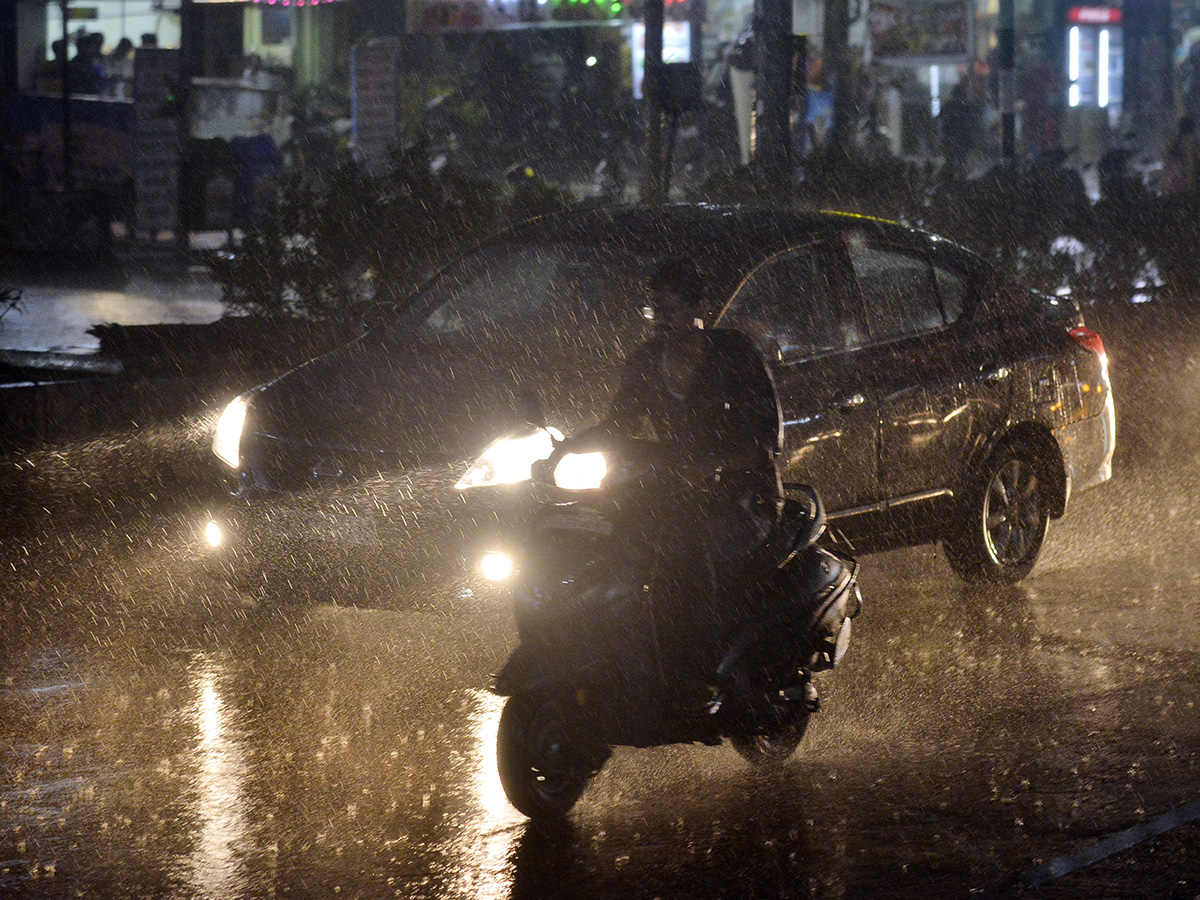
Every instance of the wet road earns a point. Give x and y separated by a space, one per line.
166 734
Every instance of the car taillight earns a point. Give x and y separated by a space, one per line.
1087 339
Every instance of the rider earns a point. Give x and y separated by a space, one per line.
708 396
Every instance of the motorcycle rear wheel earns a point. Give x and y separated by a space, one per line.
543 758
768 752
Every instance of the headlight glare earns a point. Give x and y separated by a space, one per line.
580 471
496 565
228 437
510 459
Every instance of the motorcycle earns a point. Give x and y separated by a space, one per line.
590 672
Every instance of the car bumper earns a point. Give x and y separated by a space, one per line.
1087 448
411 525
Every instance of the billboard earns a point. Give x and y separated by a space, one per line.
921 32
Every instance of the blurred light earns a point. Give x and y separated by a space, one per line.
1073 66
228 436
581 471
1102 78
496 565
213 535
509 459
591 61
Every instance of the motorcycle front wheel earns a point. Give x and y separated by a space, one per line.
769 751
543 755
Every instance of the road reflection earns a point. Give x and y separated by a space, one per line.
219 806
485 848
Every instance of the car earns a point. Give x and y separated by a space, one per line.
926 395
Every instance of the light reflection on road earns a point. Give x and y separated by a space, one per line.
487 843
219 806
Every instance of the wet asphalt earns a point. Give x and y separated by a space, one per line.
166 731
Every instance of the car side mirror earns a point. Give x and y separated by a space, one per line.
529 408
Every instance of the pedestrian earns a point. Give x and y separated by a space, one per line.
1181 160
958 123
85 71
119 64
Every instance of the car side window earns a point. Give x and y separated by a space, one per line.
952 291
899 293
790 305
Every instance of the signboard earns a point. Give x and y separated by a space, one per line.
155 139
677 48
425 16
373 96
1094 15
921 32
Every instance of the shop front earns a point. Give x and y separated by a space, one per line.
99 99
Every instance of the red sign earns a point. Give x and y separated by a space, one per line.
1094 15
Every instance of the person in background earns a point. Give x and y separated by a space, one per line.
119 64
85 72
1181 160
958 123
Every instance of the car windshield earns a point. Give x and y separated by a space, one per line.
517 290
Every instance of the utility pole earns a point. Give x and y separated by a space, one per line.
654 188
837 66
1006 63
775 88
64 71
188 67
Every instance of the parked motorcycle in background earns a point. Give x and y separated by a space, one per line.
591 671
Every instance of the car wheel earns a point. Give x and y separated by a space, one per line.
1003 522
543 757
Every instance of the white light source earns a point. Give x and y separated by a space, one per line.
213 535
509 459
1102 77
228 437
580 471
1073 66
496 565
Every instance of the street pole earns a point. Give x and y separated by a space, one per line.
65 73
654 189
183 103
775 85
1005 62
837 62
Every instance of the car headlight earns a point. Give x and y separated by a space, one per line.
580 471
510 459
228 437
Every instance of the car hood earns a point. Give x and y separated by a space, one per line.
429 404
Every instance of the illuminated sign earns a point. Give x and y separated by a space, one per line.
921 32
1094 15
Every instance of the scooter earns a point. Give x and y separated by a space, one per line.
590 672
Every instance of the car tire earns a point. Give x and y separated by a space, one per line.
1002 523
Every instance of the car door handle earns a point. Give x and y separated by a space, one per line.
847 403
994 373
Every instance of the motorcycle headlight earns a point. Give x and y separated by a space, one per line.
580 471
228 438
509 460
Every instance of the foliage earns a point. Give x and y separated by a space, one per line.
364 241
